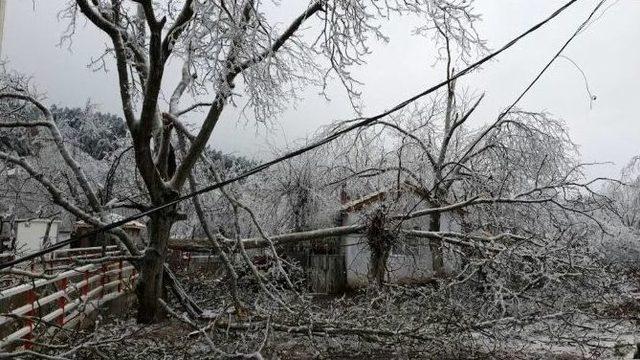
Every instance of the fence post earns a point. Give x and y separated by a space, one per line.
31 298
85 288
102 280
62 301
120 276
132 279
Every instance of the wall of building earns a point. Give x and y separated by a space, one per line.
409 262
29 234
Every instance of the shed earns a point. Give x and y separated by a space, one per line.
35 234
346 264
134 229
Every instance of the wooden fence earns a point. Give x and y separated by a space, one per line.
63 298
327 273
64 259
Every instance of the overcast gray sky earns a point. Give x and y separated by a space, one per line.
607 52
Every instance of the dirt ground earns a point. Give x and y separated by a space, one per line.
123 339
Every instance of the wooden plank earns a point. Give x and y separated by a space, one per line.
327 273
42 282
87 250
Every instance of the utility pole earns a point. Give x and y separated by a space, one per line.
3 4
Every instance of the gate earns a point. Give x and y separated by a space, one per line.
327 273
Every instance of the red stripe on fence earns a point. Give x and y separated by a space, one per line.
63 300
31 298
85 288
120 276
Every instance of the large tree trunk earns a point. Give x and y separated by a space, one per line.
436 245
380 242
378 267
149 287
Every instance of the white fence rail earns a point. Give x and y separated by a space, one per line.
64 259
64 298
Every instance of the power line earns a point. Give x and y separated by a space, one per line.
362 123
522 94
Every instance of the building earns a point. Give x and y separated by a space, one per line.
135 229
335 266
26 236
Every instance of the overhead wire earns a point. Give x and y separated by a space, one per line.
522 94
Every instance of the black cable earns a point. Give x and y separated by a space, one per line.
514 103
259 168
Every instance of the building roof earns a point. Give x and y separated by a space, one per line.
113 218
57 221
375 197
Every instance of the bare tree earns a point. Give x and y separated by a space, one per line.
221 44
56 170
504 208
